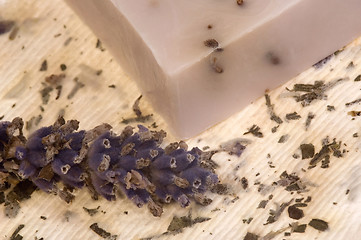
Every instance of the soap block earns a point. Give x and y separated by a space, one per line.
200 61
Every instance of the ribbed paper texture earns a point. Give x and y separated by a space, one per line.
45 27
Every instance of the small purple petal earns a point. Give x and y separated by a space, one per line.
178 195
20 153
46 186
74 174
34 141
76 139
26 170
128 162
72 183
103 187
67 156
36 158
185 160
196 176
138 196
163 194
162 177
165 161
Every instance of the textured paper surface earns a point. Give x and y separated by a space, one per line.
41 22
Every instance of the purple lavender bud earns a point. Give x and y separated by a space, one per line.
20 153
36 158
178 196
34 141
26 170
148 153
103 187
162 177
138 196
147 144
67 156
72 183
144 196
134 139
104 145
163 194
76 140
177 152
142 129
113 176
100 162
185 160
129 162
105 142
94 160
165 161
65 171
59 167
75 174
198 176
46 186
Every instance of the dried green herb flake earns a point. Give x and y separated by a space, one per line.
16 235
212 43
319 224
92 211
353 102
307 150
310 117
293 116
101 232
178 223
284 138
63 67
295 213
262 204
251 236
330 108
271 112
255 131
44 66
300 228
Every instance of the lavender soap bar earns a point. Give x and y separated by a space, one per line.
199 61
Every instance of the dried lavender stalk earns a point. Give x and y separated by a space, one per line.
133 163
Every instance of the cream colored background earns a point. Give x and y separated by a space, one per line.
40 21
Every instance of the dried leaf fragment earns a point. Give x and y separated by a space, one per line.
293 116
318 224
271 112
251 236
16 235
240 2
178 223
255 131
212 43
307 150
101 232
295 213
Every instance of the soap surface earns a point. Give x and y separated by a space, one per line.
200 61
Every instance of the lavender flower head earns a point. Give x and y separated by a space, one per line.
50 156
135 164
132 163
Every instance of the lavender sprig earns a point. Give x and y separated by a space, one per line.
133 163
